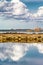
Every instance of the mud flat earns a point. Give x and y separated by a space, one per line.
21 38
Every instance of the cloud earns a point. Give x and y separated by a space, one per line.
19 11
39 12
31 0
14 9
13 51
39 47
13 1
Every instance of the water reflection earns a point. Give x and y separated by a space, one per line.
17 51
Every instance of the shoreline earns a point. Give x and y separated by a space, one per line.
21 38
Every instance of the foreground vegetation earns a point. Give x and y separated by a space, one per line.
21 37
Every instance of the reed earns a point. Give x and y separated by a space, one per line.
21 38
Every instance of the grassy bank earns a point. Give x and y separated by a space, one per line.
21 37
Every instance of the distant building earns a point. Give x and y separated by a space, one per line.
37 29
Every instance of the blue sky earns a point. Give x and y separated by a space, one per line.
28 0
22 15
31 0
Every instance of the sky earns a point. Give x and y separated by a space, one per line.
34 0
20 14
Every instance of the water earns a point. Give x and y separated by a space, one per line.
21 54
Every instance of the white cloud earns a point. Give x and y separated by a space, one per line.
39 47
13 51
39 12
1 4
31 0
18 10
14 1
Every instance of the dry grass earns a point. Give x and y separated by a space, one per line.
22 38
